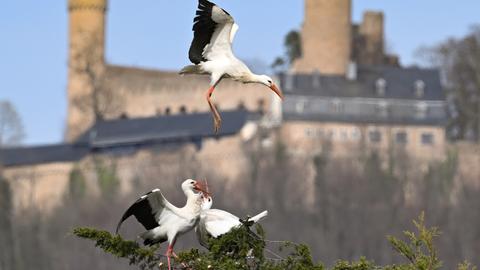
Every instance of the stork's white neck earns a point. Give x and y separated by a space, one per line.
194 200
252 78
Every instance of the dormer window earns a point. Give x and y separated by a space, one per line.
419 87
381 87
352 71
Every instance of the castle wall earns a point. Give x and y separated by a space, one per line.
44 187
326 37
150 92
40 186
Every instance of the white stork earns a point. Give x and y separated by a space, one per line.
162 220
215 222
211 53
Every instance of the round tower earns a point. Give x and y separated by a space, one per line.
86 61
326 37
372 30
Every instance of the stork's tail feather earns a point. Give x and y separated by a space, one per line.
258 217
191 69
149 238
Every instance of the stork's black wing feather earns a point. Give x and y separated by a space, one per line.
203 29
143 212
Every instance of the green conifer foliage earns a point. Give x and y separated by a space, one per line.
245 249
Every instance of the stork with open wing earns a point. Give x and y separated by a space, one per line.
216 222
164 221
211 53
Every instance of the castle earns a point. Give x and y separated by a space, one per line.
344 91
133 92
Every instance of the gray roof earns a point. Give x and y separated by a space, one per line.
21 156
139 132
172 128
400 83
378 95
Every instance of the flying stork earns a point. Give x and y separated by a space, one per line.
162 220
215 222
211 53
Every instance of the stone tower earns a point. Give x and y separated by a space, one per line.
86 61
372 32
326 37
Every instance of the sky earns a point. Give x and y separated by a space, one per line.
157 34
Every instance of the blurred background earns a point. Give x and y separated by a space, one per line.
381 120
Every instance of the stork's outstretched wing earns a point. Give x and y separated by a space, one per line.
149 210
214 30
218 222
215 222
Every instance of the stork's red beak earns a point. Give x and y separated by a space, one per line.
202 187
277 91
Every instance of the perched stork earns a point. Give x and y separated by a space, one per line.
215 222
162 220
211 53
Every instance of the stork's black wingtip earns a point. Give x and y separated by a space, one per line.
118 228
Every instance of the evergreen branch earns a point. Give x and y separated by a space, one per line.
145 258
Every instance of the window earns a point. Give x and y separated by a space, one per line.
300 106
381 87
375 136
401 137
382 109
356 135
183 110
336 106
419 86
309 133
421 110
315 133
168 111
427 139
241 105
320 133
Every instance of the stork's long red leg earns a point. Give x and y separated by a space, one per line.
168 254
176 257
217 120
